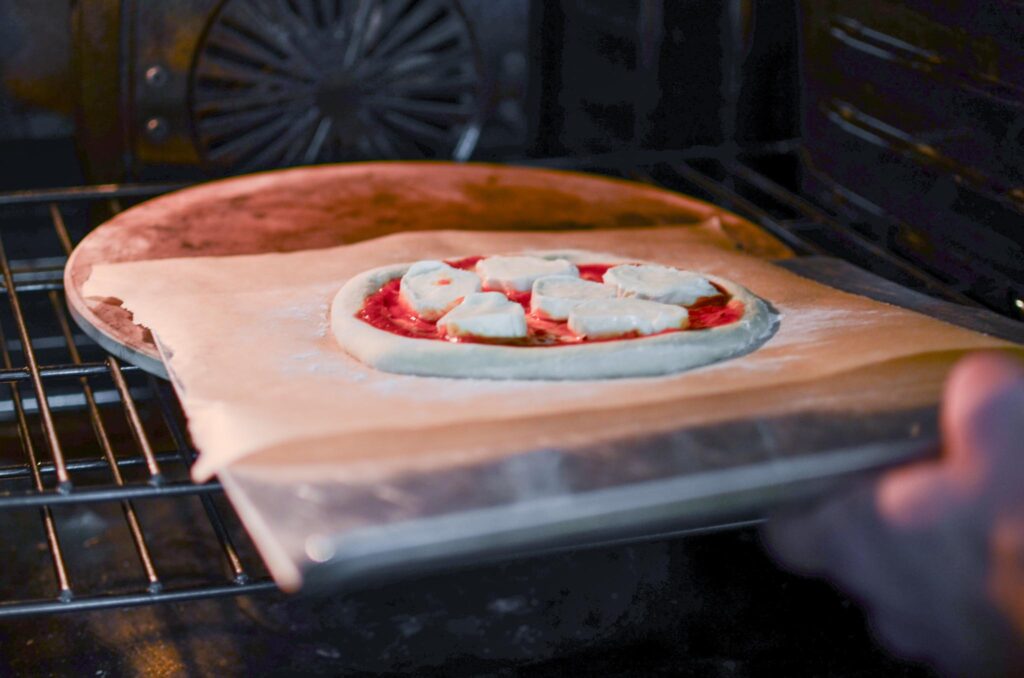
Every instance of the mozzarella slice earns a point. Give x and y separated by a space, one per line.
488 315
556 295
605 318
659 283
432 288
516 274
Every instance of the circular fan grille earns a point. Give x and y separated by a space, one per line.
285 82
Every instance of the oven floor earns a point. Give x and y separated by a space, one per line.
711 605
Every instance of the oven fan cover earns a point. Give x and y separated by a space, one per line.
287 82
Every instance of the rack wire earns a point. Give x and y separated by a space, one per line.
138 450
82 433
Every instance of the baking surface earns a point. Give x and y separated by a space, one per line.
262 378
326 206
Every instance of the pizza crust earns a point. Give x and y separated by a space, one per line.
641 357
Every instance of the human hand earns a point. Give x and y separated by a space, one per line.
935 551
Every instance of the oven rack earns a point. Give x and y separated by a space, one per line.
52 378
82 434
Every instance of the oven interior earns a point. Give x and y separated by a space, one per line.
890 139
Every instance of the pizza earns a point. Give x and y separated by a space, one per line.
555 315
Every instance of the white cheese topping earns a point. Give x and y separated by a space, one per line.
659 283
487 315
556 295
605 318
432 288
516 274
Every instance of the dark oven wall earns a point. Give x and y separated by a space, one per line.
613 75
915 112
230 86
193 88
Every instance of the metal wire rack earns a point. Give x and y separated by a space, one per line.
83 435
132 451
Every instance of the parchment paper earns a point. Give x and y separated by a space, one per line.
248 344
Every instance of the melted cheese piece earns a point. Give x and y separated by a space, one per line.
555 296
432 288
659 283
488 315
606 318
517 274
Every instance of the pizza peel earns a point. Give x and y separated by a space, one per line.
700 477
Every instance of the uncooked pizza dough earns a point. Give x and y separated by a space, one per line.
617 325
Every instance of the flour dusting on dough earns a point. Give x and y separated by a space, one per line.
324 325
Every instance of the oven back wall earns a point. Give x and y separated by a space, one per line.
916 109
610 75
196 88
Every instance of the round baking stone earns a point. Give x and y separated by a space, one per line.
329 205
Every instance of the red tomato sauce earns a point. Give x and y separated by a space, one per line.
466 264
384 310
